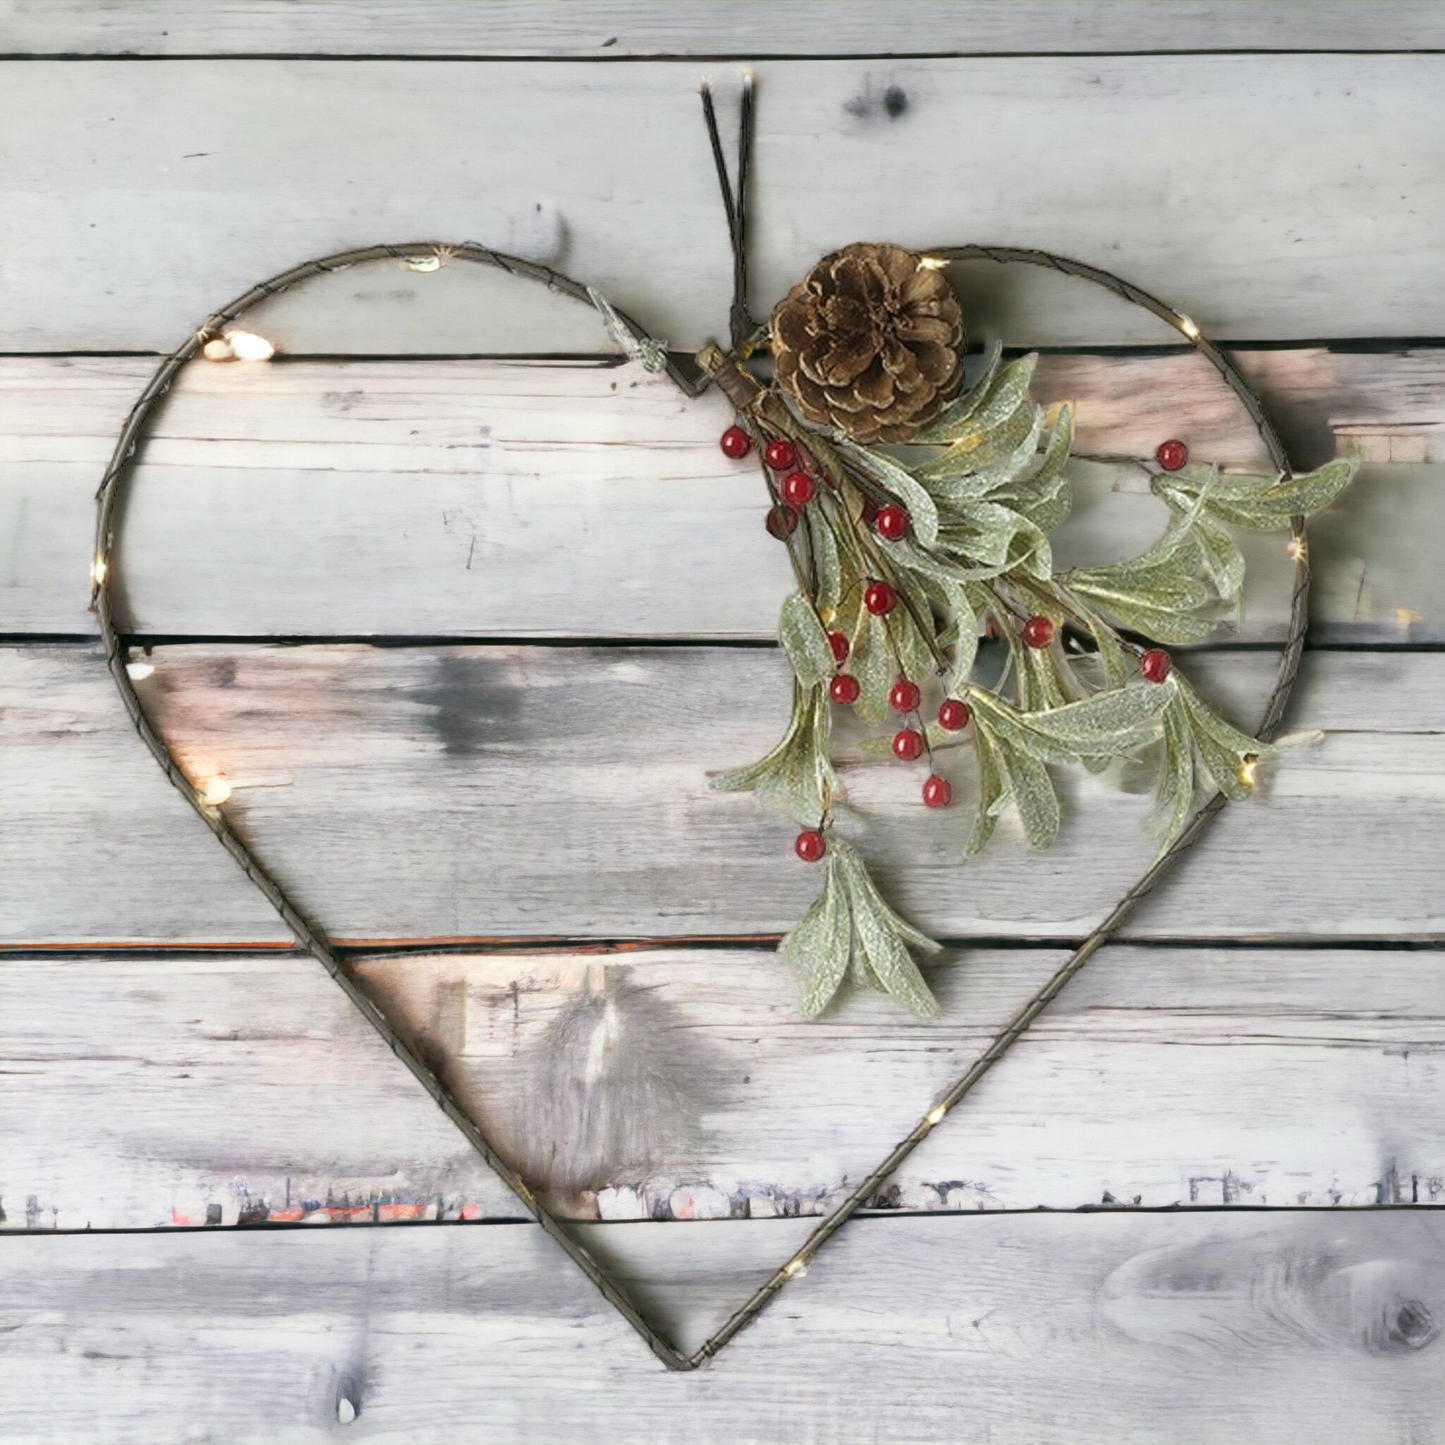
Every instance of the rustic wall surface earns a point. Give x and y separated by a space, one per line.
465 610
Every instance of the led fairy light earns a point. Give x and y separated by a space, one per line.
824 461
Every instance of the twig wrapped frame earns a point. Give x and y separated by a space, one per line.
311 938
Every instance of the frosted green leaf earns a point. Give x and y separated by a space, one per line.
1261 503
1222 557
922 512
882 935
1033 796
979 451
1156 623
872 664
805 642
819 946
1175 799
798 771
1222 749
990 789
962 409
953 488
828 571
994 539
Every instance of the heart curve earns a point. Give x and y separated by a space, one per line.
642 347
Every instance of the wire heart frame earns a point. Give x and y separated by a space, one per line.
310 937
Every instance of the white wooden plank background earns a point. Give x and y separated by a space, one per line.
613 29
434 498
675 1083
562 792
1279 198
1144 1329
1252 190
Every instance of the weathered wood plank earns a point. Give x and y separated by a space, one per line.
682 1084
144 1092
473 792
903 1331
476 498
741 28
1250 189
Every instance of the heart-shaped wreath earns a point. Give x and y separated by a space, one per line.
903 559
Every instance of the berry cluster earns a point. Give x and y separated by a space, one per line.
793 481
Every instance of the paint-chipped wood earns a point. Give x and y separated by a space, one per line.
1170 1330
743 28
1259 192
483 499
680 1084
476 792
143 1093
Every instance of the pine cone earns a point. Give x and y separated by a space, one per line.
869 342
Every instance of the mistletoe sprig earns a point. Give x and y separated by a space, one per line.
904 558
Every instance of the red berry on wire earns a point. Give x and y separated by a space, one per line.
838 641
1172 455
908 745
937 792
810 845
1156 665
845 688
880 599
780 454
892 523
953 715
736 443
799 489
904 696
781 522
1038 631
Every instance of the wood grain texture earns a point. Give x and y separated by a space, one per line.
469 498
1248 189
1140 1329
474 792
148 1092
680 1083
742 28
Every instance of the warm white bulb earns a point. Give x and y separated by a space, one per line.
933 263
247 346
1246 772
218 349
422 263
138 671
98 571
1189 328
214 791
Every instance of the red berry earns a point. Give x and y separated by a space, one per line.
736 443
870 511
780 454
904 695
879 598
892 523
954 715
810 845
799 488
781 521
845 688
1038 631
1156 665
838 641
937 792
908 745
1171 455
